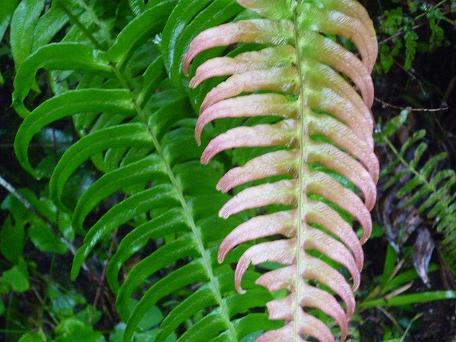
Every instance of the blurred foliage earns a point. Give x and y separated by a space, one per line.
400 25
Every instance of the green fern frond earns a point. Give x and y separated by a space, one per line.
424 185
138 131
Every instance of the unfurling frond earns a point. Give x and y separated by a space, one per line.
322 92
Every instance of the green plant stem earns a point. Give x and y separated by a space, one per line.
302 197
416 298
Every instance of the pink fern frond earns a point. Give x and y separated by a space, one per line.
321 93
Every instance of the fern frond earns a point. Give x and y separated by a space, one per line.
139 133
422 184
307 79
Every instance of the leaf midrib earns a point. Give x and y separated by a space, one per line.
303 139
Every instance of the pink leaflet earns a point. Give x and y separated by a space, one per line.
281 192
282 309
327 100
341 162
320 271
280 56
344 137
329 52
246 106
334 250
258 227
311 326
321 214
281 251
322 300
306 325
267 165
354 9
328 187
320 74
281 80
334 22
282 133
284 334
278 279
244 31
282 279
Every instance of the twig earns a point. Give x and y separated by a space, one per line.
8 187
415 27
389 105
400 32
103 273
12 190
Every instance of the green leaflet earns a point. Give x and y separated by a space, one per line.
197 301
151 78
159 196
137 173
204 184
404 278
45 239
58 56
179 146
161 258
177 22
186 275
205 329
6 10
116 101
187 20
23 24
17 277
401 300
250 324
242 303
172 221
136 6
129 135
138 30
49 25
164 118
12 239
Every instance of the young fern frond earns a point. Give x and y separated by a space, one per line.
138 131
307 79
424 187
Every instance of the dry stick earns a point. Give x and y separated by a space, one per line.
10 188
389 105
